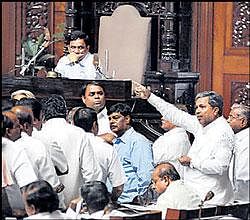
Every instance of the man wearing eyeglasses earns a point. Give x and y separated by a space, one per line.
79 63
239 168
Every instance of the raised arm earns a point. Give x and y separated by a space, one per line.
168 110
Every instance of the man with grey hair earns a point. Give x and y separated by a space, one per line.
239 168
207 162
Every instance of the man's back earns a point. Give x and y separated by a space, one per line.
75 145
171 146
18 162
109 161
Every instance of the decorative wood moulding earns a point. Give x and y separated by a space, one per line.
240 36
36 18
240 93
145 8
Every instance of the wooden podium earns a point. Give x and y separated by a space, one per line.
70 89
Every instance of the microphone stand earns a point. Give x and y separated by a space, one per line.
208 196
43 46
101 73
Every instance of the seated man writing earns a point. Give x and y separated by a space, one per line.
173 193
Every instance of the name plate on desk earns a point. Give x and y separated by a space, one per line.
117 90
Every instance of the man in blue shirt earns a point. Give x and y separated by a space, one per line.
134 151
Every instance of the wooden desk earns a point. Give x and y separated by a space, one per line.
238 210
147 215
116 90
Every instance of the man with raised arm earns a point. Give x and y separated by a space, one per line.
207 162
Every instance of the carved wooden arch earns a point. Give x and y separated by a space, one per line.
144 8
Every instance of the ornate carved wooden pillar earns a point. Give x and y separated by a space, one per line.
70 14
168 30
70 18
36 18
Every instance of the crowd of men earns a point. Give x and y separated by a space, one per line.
56 159
45 141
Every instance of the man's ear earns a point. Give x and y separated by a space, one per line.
8 132
68 47
25 127
128 119
216 110
83 99
166 180
31 210
243 123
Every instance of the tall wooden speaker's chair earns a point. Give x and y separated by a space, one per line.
124 43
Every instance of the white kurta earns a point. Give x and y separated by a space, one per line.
211 152
103 122
177 196
18 163
172 145
240 164
76 147
85 69
47 215
109 161
41 161
40 158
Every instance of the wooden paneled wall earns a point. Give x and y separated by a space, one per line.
223 64
14 30
230 50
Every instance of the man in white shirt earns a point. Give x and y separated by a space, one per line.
207 162
79 63
93 96
239 168
173 192
37 152
41 201
17 161
172 145
57 156
74 143
86 118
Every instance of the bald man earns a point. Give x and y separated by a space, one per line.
173 193
37 153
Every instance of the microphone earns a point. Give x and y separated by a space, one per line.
42 47
96 61
96 64
208 196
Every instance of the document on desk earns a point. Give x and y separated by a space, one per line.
139 207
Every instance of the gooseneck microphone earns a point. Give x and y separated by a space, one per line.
97 67
208 196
